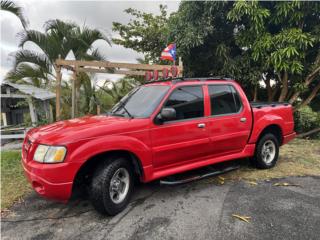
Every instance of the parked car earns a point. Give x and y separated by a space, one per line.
159 129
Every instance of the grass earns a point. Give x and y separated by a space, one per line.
298 158
13 182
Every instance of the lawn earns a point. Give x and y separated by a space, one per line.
298 158
13 182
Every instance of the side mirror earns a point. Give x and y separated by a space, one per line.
167 114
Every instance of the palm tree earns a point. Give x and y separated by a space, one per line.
120 88
59 39
16 10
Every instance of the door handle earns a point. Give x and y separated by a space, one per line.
201 125
243 119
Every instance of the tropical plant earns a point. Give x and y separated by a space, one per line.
145 33
275 43
204 37
284 37
306 120
118 89
59 39
10 6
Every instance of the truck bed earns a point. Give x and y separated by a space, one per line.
279 114
268 104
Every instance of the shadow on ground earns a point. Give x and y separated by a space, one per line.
197 210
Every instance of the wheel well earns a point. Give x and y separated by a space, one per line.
84 174
274 129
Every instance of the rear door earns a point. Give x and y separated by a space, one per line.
186 137
230 122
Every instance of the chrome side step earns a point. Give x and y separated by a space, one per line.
198 177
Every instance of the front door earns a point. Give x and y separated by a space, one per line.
186 137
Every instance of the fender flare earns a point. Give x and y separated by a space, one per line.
263 123
109 143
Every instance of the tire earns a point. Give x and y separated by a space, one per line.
267 152
112 175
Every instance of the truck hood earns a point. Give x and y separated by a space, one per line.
77 129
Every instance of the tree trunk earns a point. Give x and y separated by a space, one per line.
269 90
302 135
255 93
284 89
311 96
307 81
58 92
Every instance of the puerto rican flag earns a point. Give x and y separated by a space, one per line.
169 53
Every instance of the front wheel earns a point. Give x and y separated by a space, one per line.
112 186
267 152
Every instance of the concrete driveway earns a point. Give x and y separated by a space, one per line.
197 210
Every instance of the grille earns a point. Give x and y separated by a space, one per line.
27 146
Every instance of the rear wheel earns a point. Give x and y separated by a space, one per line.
267 152
112 186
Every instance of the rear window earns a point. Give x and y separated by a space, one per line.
224 100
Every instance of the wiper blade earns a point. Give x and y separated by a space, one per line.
129 114
121 105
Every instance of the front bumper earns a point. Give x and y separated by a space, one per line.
58 191
52 181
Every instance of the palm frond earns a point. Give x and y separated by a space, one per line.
27 56
16 10
27 74
95 55
34 36
58 25
89 36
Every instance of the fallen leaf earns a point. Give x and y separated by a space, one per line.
221 182
252 183
221 178
242 218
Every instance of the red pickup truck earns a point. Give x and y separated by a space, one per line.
159 129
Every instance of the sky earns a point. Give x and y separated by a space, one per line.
95 14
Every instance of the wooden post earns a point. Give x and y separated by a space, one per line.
180 67
98 109
33 114
4 119
74 78
58 92
77 92
50 113
48 110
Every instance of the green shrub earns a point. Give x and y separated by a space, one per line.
306 119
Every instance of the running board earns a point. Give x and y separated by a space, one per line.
199 176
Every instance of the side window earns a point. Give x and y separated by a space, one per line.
224 99
236 98
187 101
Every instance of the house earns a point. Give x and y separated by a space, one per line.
18 99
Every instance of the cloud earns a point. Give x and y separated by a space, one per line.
95 14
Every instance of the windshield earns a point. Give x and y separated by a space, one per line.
140 102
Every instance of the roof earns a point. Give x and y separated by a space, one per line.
169 81
38 93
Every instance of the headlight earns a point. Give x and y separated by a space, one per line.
40 153
50 154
